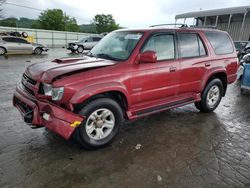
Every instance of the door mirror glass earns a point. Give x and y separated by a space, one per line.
148 57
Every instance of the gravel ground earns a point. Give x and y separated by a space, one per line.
178 148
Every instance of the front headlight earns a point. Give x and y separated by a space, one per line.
47 89
57 93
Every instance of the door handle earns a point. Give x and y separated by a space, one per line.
172 69
207 64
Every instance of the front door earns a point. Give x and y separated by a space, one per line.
156 83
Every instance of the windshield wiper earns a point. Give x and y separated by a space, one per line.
107 56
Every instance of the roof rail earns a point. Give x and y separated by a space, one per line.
204 26
174 24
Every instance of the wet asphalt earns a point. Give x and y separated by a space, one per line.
178 148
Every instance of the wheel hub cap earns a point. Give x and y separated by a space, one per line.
213 96
100 124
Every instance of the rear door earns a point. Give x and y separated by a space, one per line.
88 44
194 60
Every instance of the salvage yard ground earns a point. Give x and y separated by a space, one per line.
178 148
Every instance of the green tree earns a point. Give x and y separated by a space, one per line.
9 22
55 19
71 24
105 23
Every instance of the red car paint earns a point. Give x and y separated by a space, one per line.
144 86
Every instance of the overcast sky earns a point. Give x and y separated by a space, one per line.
128 13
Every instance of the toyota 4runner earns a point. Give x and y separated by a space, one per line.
129 74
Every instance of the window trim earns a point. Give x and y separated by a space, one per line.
198 36
233 47
162 33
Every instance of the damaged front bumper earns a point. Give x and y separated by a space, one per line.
44 113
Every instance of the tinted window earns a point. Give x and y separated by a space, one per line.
16 40
220 42
20 40
96 39
8 39
190 45
163 45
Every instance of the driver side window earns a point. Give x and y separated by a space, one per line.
163 45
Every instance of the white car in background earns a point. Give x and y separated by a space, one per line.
86 43
18 45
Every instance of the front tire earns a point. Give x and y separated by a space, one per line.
38 51
80 49
211 96
104 118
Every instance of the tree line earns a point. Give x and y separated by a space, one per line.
56 19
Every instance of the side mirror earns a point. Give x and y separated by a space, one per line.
148 57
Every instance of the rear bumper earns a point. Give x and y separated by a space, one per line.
59 120
231 78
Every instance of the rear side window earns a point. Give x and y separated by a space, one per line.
90 39
20 40
96 39
220 42
190 45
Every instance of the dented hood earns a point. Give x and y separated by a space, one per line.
48 71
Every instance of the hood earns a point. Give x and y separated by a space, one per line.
49 71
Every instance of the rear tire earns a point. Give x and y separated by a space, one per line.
211 96
104 118
38 51
2 51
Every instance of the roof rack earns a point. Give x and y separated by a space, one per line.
206 26
174 24
185 26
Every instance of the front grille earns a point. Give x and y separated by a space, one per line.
28 79
28 89
22 106
28 84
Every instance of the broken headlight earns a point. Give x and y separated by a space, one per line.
55 93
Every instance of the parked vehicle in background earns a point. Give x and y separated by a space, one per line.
17 45
129 74
86 43
242 48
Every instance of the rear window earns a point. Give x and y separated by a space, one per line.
220 42
190 45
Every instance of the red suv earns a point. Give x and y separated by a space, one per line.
127 75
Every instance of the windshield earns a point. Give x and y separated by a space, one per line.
116 45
